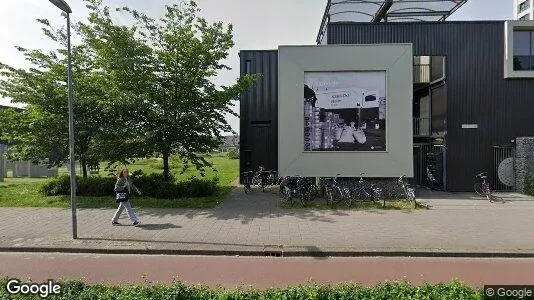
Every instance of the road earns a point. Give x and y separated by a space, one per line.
262 272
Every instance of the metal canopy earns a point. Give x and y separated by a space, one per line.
387 11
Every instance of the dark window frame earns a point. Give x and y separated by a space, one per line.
530 63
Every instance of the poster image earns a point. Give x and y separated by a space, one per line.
345 111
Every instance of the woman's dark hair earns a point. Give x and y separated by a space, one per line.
121 173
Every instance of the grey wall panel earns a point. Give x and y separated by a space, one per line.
259 112
476 90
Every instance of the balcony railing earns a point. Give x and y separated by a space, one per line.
421 126
421 73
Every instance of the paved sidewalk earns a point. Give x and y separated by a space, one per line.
244 224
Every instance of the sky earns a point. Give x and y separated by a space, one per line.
258 24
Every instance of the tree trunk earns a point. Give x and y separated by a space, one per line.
166 169
84 168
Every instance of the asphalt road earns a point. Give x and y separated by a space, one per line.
262 272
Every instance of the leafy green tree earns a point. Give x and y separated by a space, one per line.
40 131
162 71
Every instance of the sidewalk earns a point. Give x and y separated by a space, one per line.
456 225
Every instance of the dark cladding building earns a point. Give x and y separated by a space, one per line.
473 86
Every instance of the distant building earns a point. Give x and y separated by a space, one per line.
230 142
524 10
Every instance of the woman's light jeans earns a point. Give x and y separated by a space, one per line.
129 210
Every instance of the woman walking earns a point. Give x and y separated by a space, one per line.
123 189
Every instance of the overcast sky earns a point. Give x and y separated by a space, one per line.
258 24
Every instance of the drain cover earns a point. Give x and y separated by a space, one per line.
273 250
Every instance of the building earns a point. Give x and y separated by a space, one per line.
230 142
473 86
524 10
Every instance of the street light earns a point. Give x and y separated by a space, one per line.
61 4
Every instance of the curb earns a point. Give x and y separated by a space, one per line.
312 254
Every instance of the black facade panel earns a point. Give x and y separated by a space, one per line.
259 112
476 91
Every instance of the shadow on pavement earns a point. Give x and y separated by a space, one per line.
158 226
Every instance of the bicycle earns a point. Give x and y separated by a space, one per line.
294 187
336 193
247 181
263 178
482 188
409 192
365 192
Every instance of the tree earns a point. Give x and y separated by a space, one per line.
40 131
163 70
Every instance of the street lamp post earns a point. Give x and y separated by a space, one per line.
61 4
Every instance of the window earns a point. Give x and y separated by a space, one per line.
525 18
248 68
524 50
523 6
519 49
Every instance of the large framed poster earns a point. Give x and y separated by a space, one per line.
345 111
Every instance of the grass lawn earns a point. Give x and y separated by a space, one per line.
23 192
320 204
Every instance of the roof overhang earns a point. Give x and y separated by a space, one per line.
386 11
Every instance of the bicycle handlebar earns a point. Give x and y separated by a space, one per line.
482 174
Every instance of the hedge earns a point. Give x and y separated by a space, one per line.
530 185
390 290
233 154
152 185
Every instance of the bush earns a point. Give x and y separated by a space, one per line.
530 185
56 186
390 290
233 154
152 185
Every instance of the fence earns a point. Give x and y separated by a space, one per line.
500 154
432 157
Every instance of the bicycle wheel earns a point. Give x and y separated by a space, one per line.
256 181
347 197
286 195
335 196
411 197
246 184
479 189
313 191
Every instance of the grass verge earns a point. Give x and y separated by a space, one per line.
27 195
320 204
23 192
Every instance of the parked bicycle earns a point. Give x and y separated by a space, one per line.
482 188
263 178
247 181
366 191
335 192
408 192
295 187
